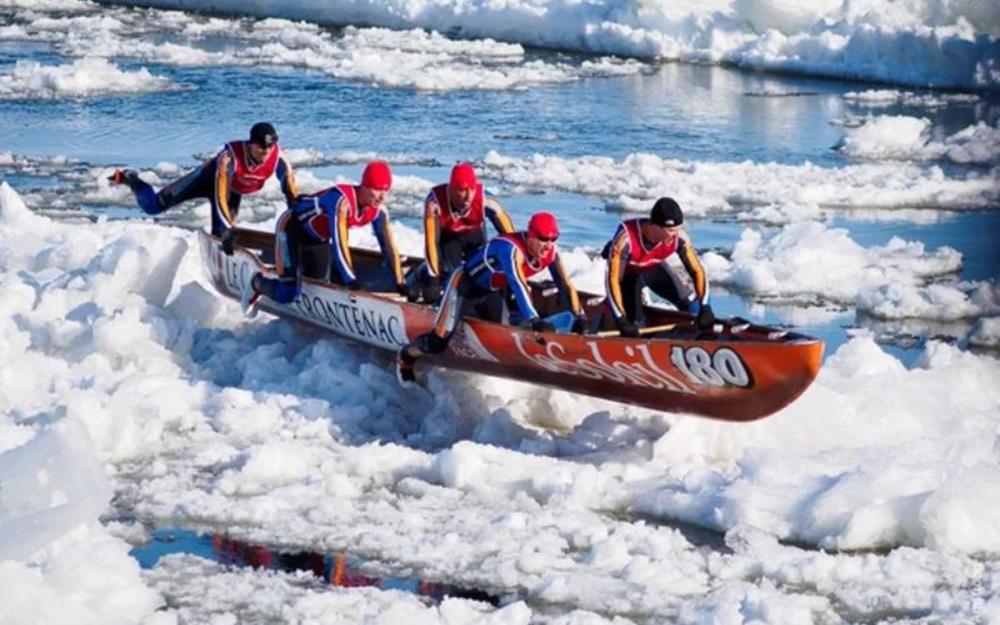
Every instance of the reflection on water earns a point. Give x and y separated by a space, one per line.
341 570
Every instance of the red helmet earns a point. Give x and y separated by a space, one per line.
377 176
544 226
463 176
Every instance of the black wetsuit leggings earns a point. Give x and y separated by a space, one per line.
453 250
296 253
659 280
199 183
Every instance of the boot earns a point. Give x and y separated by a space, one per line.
250 299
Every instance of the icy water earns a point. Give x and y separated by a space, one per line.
691 113
340 569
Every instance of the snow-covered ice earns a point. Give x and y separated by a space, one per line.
112 334
131 393
908 42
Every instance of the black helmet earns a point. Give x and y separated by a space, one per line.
666 213
263 134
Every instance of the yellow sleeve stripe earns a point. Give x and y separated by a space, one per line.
506 225
343 232
222 188
281 242
697 271
450 307
615 271
518 267
431 239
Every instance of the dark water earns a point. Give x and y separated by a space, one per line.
340 570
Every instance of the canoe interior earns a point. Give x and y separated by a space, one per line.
373 270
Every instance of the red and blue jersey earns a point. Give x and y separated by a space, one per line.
629 253
441 220
237 172
504 263
328 216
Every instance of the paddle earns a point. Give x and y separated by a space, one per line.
644 331
733 326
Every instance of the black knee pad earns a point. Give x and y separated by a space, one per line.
432 292
431 343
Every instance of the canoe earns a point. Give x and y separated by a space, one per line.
738 371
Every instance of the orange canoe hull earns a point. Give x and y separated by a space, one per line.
730 377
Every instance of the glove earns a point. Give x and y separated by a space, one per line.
403 289
228 241
432 292
706 318
541 325
537 325
412 292
355 285
628 329
580 325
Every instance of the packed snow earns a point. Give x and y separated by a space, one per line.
412 58
770 192
910 42
132 395
84 77
909 138
290 438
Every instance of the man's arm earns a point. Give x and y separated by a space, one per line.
224 171
432 235
618 253
496 214
383 232
565 285
340 243
689 258
286 176
511 261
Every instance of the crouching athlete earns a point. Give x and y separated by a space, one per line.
637 257
455 215
311 239
496 275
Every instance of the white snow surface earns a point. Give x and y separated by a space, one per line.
124 368
83 77
769 192
412 58
809 260
910 138
908 42
879 98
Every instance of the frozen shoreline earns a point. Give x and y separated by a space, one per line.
954 46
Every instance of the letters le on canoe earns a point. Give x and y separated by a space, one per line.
736 372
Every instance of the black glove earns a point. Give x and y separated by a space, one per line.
228 241
706 318
432 292
355 285
537 325
580 325
628 329
403 289
541 325
412 292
